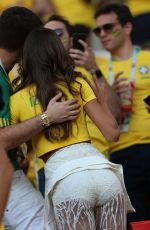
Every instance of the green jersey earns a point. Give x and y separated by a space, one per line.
5 93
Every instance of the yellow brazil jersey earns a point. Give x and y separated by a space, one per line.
24 105
14 73
139 127
97 139
32 170
34 164
139 7
9 3
76 11
2 227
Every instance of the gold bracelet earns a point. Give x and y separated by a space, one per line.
45 120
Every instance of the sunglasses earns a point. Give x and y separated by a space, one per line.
106 27
59 31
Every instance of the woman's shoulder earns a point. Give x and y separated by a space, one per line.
81 80
78 83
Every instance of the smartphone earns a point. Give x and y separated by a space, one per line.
76 38
147 100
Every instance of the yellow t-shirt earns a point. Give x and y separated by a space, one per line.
139 127
76 11
9 3
97 139
34 164
24 106
2 227
31 173
139 7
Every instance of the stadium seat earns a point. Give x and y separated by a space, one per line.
140 225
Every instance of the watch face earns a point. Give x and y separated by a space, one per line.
45 120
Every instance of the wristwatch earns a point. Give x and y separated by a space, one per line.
45 120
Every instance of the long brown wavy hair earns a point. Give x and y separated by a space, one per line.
45 63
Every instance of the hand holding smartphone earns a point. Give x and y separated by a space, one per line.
76 43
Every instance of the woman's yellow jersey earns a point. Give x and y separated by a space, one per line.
97 138
24 106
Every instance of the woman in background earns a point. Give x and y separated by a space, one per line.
83 189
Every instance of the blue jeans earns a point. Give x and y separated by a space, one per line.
136 167
41 178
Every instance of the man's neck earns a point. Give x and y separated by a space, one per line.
123 53
8 59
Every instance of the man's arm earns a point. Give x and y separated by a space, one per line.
57 112
87 60
6 172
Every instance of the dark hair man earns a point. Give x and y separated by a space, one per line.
114 28
25 205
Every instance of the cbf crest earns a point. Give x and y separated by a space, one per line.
144 70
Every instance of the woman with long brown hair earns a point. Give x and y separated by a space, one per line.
83 189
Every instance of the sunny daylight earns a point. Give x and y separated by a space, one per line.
74 115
